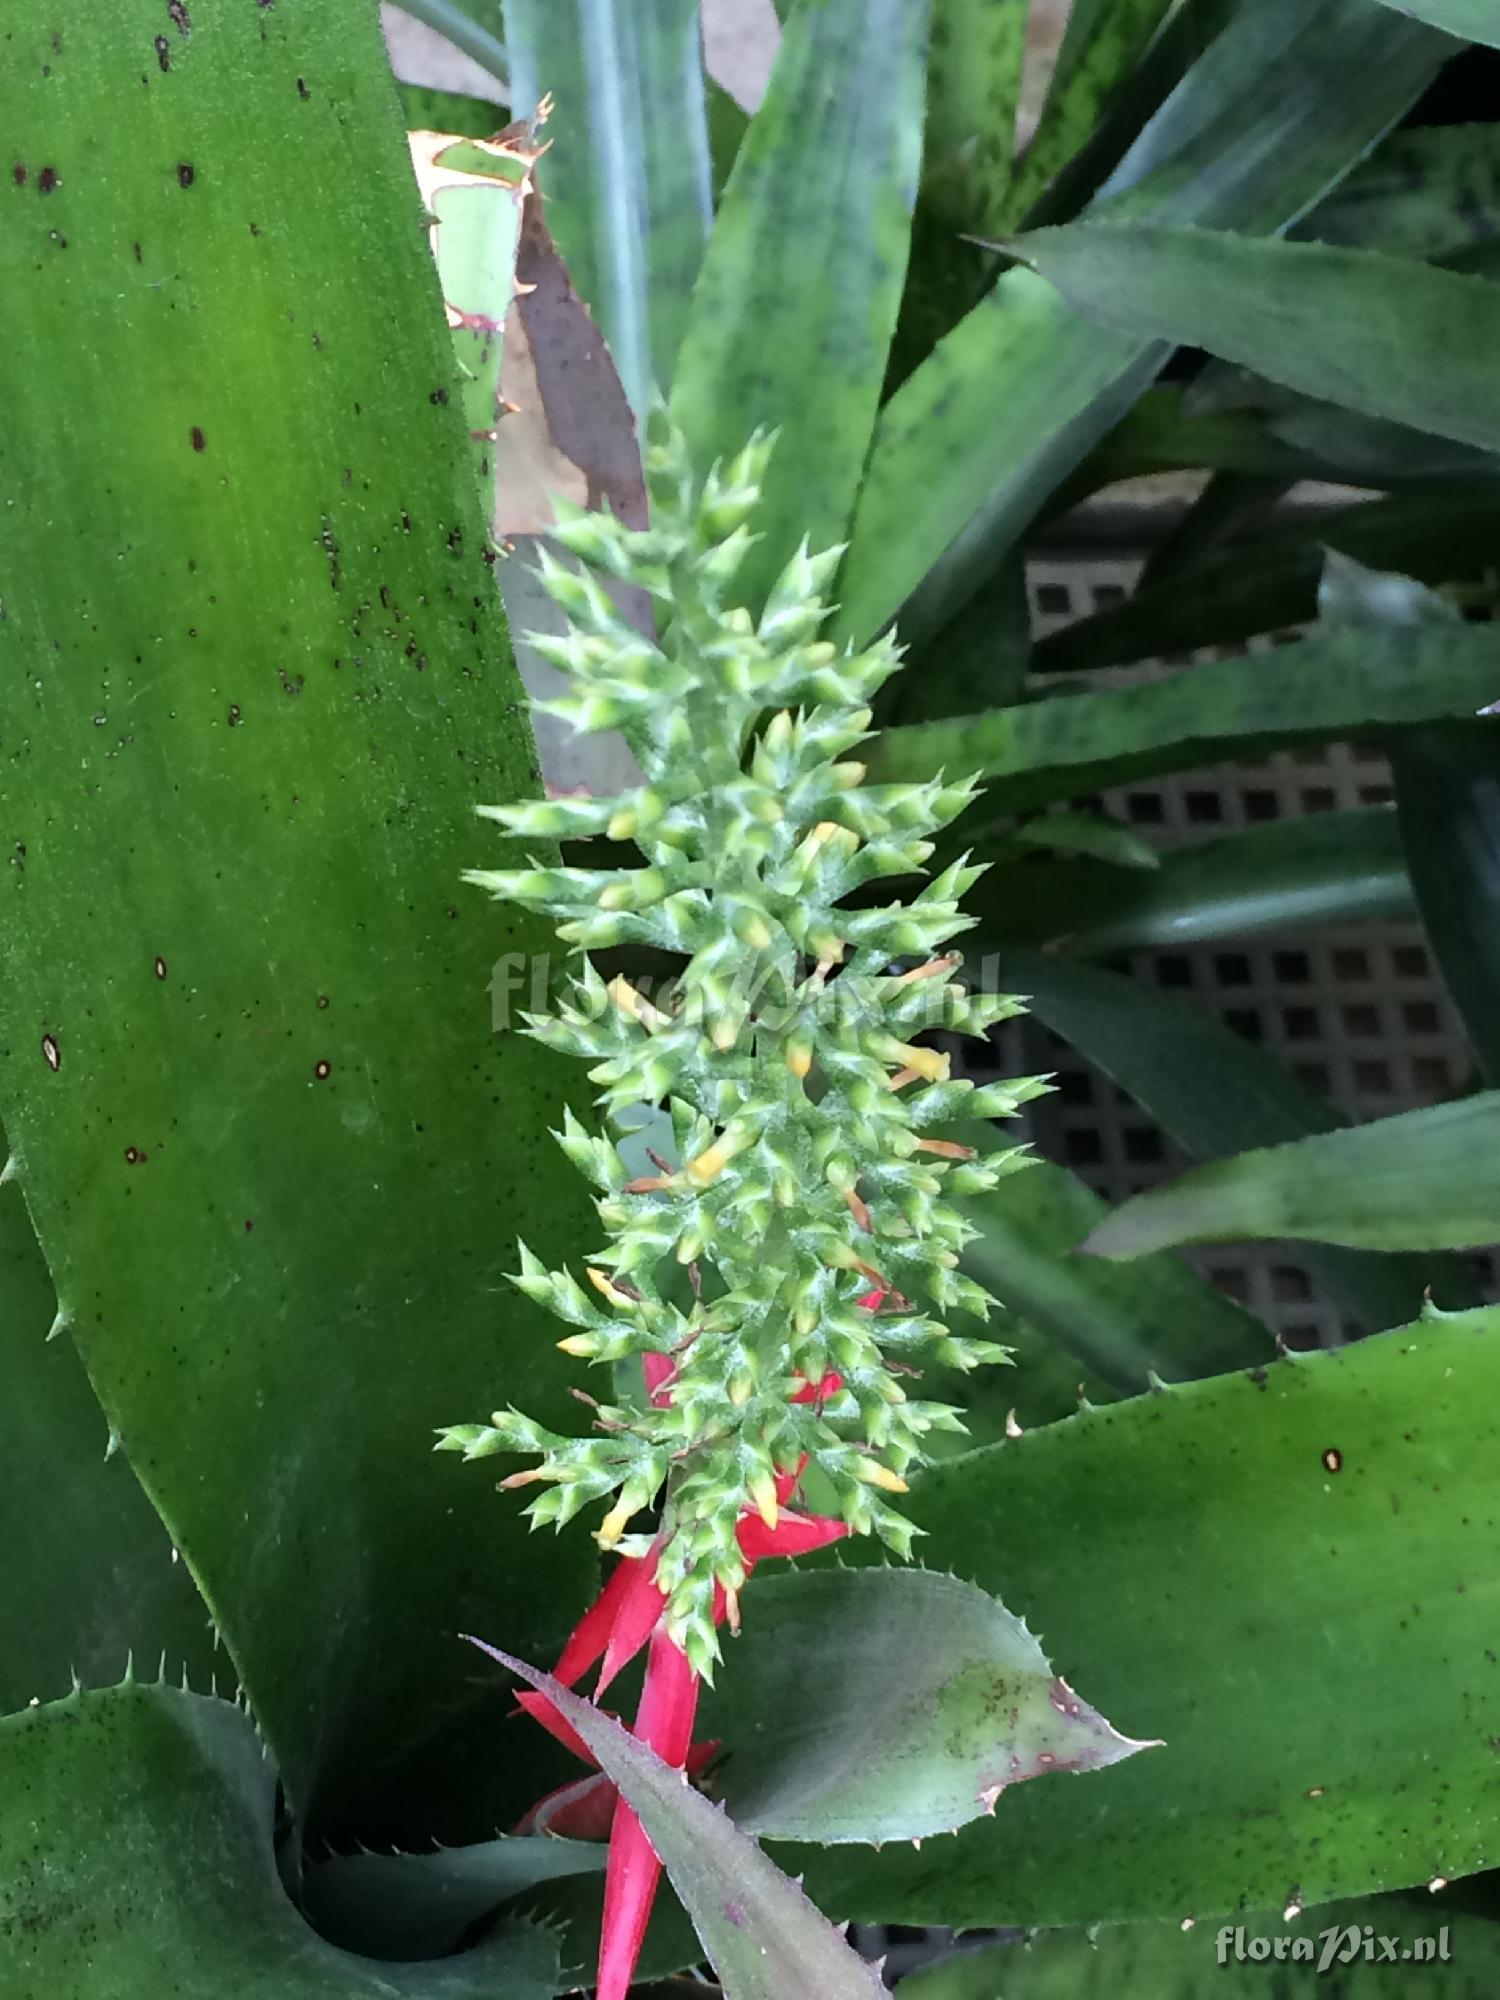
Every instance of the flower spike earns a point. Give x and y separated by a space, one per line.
809 1193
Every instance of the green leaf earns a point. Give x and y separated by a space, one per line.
1089 833
766 1940
1474 19
274 1150
71 1510
1103 42
1260 428
1166 1962
474 191
409 1906
1341 325
1269 581
985 645
1287 1575
976 51
472 27
1334 683
449 111
870 1705
1448 799
1422 193
138 1822
1292 874
1161 1323
973 88
1230 504
1023 388
1213 1093
792 317
1426 1180
627 176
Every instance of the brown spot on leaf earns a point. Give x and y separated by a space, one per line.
186 174
196 438
46 180
18 173
163 53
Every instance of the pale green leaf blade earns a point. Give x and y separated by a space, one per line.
474 189
1089 833
627 176
1340 325
1296 1566
793 314
1334 683
1423 192
1425 1180
1475 20
870 1705
1162 1323
254 684
1215 1094
137 1823
1291 874
1103 42
766 1940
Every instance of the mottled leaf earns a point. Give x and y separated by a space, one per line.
1023 388
792 316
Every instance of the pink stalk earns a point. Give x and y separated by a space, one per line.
669 1702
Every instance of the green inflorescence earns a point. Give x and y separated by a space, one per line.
811 1203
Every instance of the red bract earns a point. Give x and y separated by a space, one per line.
626 1616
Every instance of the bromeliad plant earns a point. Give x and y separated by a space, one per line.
812 1204
268 1158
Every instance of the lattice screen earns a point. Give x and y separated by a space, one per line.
1357 1014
